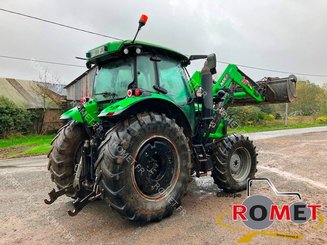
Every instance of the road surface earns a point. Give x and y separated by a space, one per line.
295 160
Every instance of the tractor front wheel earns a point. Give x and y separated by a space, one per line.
234 161
144 167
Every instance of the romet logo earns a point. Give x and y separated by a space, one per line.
259 212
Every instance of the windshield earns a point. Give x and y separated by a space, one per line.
112 79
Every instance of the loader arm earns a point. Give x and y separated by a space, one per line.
233 76
244 89
241 90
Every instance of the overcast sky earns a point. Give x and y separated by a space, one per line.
289 35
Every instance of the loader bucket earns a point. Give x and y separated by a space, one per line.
280 90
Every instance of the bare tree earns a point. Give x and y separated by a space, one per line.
41 90
44 91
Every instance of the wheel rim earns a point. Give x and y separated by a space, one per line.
240 164
156 169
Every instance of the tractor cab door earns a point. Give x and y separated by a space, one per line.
172 77
167 73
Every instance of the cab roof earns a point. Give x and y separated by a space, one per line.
114 49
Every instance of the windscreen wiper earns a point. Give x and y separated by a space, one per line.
160 89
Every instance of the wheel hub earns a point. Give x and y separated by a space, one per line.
240 164
235 162
155 167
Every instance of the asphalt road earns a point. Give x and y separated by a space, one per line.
295 160
278 133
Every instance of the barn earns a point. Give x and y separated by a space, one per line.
43 100
82 86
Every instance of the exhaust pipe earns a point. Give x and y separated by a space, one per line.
206 85
209 68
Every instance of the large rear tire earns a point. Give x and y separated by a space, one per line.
234 160
144 164
65 153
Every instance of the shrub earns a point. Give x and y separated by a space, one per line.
13 119
321 119
278 116
248 115
270 117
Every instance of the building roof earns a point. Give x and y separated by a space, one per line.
55 87
28 94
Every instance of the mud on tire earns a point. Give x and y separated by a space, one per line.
65 154
132 146
234 160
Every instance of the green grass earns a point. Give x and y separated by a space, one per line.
25 145
251 129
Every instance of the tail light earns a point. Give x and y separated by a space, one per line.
84 100
137 92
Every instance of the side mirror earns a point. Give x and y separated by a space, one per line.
212 62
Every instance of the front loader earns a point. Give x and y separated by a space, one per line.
150 127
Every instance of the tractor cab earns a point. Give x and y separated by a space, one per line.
128 69
135 76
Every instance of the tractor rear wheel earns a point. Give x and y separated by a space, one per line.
144 166
65 154
234 160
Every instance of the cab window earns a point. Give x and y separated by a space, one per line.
173 79
112 79
145 73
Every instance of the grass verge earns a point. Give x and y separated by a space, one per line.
251 129
20 146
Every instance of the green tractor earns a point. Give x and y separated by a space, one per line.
150 127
